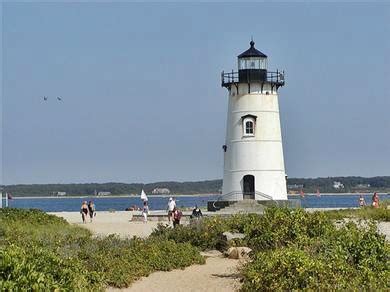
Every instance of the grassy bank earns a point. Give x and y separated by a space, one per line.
294 250
380 214
43 252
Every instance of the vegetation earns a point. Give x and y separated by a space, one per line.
351 184
368 212
43 252
294 250
309 185
291 250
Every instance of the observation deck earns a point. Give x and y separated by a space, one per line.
251 76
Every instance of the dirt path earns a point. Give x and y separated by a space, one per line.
218 274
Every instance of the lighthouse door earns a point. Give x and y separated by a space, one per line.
249 187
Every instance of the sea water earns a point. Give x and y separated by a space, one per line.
56 204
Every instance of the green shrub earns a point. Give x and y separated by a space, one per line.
290 268
43 252
276 228
368 212
348 258
296 250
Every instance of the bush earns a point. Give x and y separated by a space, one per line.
368 212
276 228
347 259
296 250
43 252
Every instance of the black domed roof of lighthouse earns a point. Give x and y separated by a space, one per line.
252 52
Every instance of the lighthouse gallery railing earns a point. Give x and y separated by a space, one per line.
272 77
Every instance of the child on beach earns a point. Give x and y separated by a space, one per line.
145 211
177 214
362 202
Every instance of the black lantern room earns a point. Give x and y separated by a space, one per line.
252 65
252 68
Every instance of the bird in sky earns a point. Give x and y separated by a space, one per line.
45 98
59 98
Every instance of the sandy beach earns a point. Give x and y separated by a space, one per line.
106 223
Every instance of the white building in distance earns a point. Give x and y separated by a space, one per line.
338 185
161 191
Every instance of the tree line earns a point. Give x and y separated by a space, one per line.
308 185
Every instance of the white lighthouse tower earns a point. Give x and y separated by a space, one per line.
253 151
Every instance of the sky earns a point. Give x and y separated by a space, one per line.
142 99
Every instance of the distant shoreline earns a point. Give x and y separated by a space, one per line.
112 196
176 196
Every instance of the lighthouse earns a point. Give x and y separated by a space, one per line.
253 150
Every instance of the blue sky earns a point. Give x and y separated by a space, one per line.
141 91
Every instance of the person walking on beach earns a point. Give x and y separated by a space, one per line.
145 211
171 207
362 202
177 214
91 210
375 200
84 211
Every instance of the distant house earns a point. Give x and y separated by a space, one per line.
295 186
161 191
363 186
104 193
338 185
61 193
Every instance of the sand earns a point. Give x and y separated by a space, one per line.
218 274
106 223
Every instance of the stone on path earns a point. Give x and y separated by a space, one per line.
238 253
230 235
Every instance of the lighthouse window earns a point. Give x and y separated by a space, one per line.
249 128
241 64
248 125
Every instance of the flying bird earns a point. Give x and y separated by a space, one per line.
45 98
59 98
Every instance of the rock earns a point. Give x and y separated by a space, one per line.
230 236
238 252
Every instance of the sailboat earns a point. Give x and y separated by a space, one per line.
143 196
302 193
318 192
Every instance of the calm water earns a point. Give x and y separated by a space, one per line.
158 203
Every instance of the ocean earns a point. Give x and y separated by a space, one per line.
159 203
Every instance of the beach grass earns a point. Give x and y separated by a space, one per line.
296 250
43 252
368 212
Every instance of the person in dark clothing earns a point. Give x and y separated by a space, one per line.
196 213
84 211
